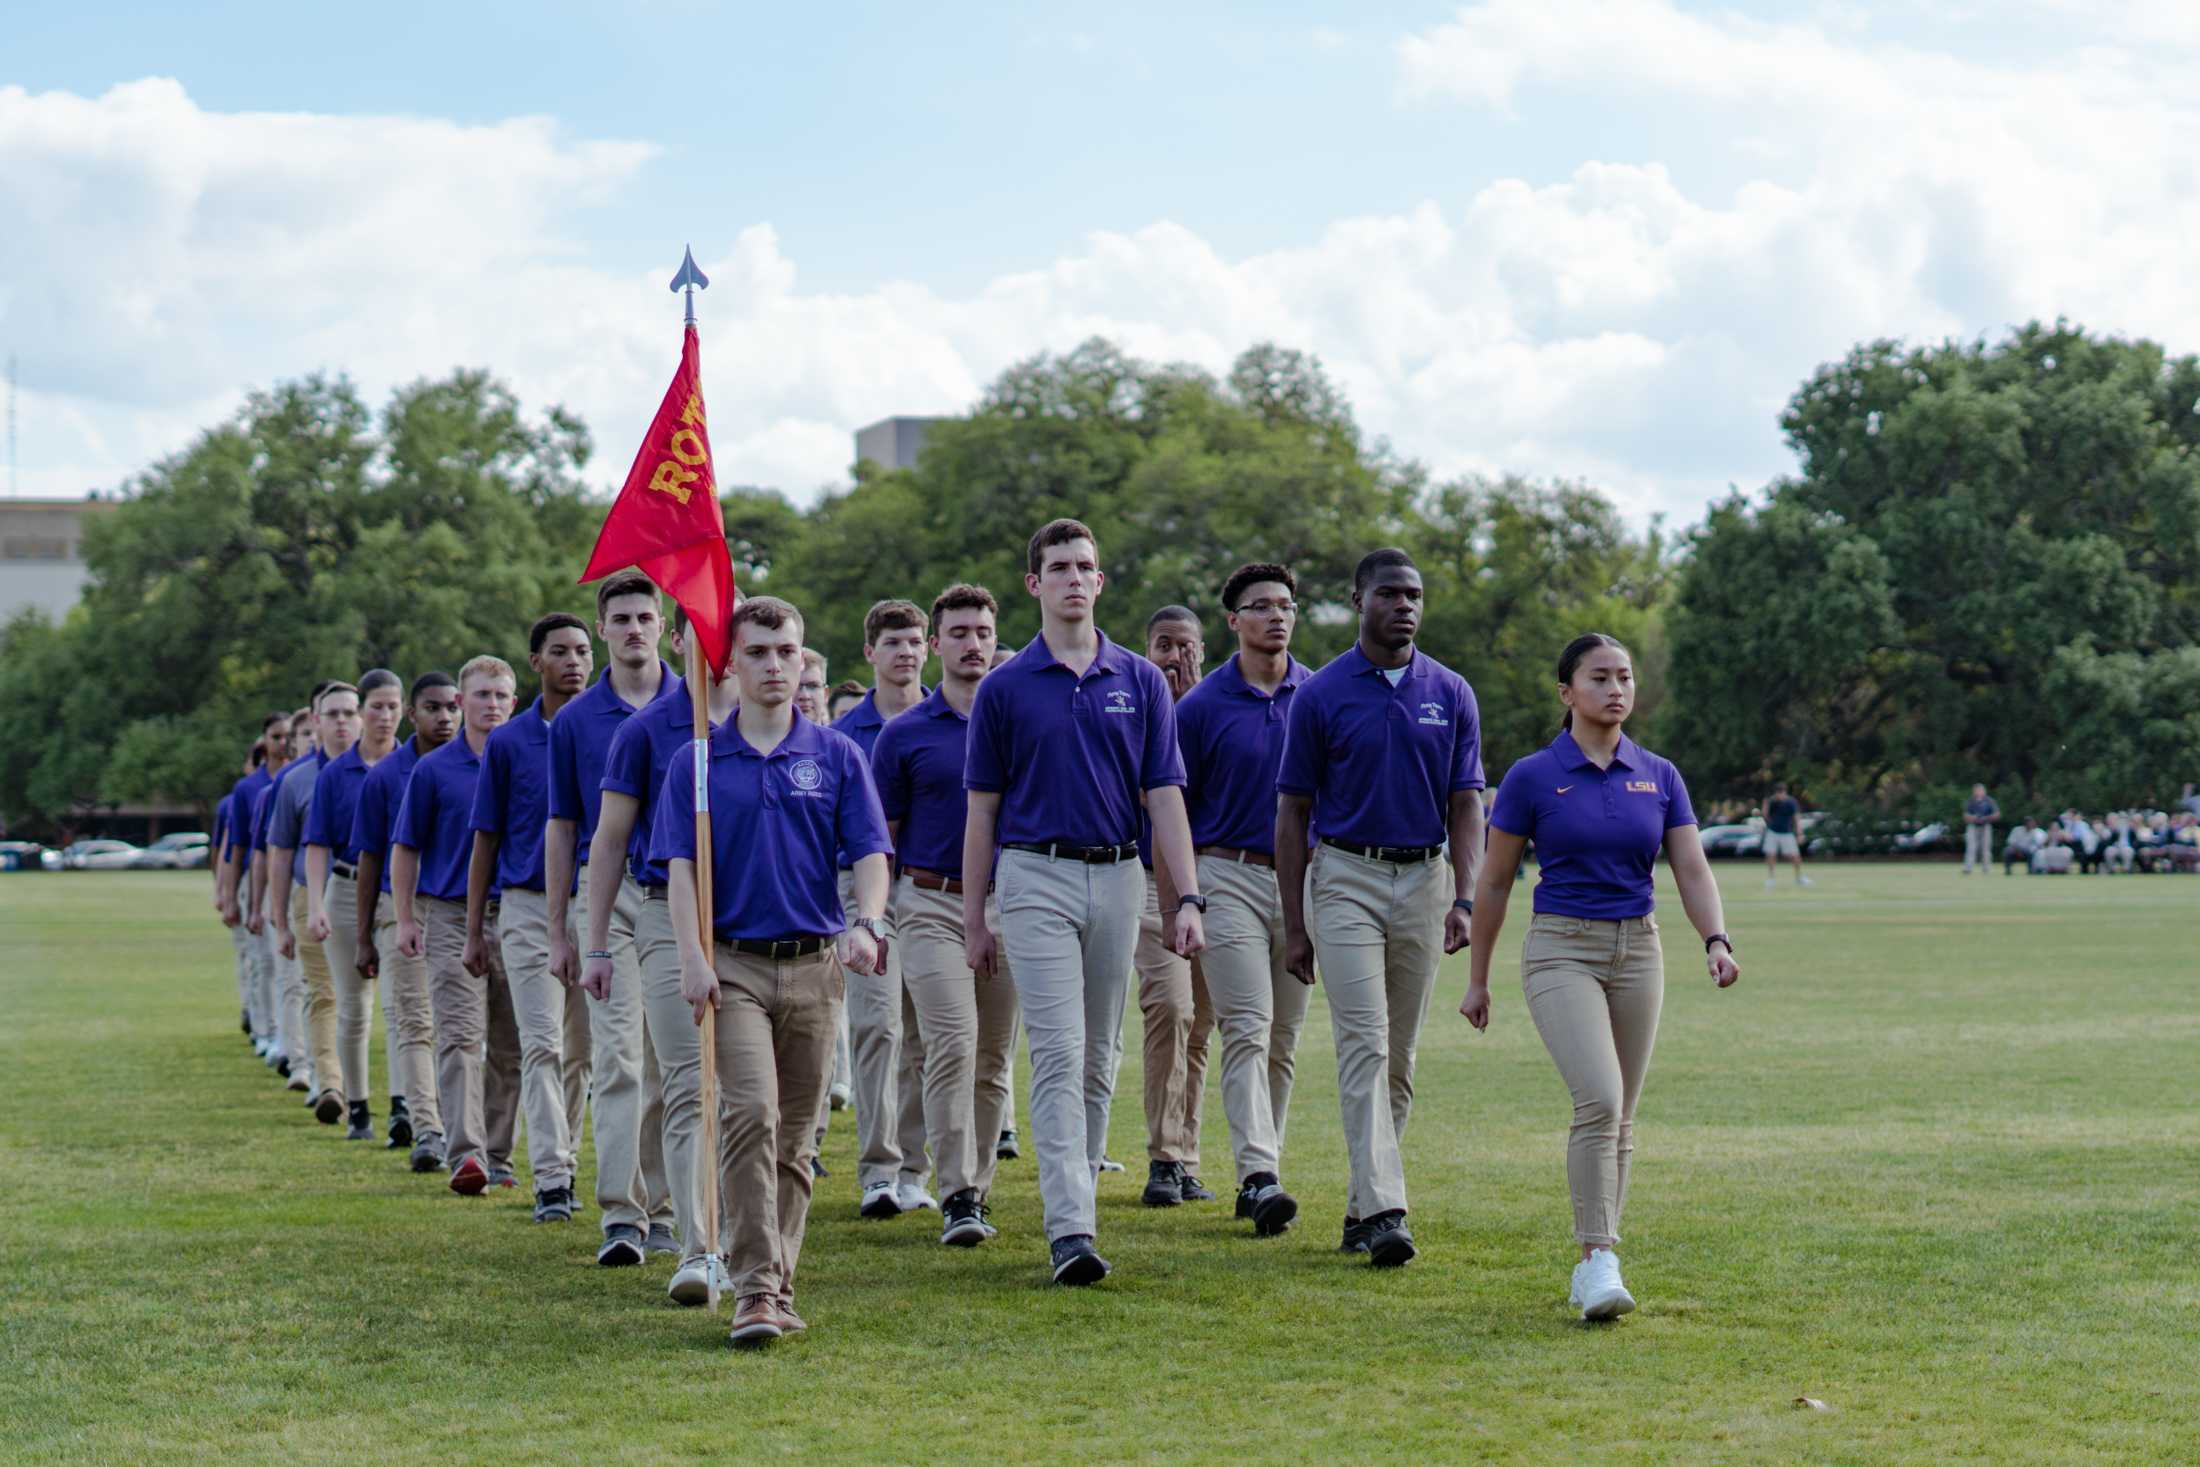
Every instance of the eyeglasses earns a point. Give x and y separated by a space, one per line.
1263 607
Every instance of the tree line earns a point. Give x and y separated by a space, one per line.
1984 570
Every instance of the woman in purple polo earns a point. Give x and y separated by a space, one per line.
1599 807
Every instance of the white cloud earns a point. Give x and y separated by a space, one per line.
1607 323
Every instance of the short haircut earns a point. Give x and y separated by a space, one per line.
962 596
1252 574
428 682
540 632
811 657
892 615
303 715
336 687
845 688
489 664
270 720
1376 560
625 583
314 702
768 612
1172 612
1058 532
380 677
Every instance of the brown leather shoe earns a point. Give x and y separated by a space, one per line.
758 1320
789 1321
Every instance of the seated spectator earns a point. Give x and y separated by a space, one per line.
2085 846
2117 853
2024 841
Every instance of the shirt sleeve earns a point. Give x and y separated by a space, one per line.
1514 812
987 752
672 832
263 815
416 810
1466 743
1304 751
860 822
565 769
1191 724
492 790
890 772
626 765
1678 810
370 818
320 815
288 828
1161 763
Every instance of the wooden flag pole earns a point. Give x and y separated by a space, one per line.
707 1170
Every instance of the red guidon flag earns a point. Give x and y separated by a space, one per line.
666 522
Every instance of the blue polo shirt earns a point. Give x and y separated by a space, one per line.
1596 831
778 823
219 840
864 722
640 753
286 820
263 806
335 798
1068 755
242 798
436 818
512 797
374 819
917 763
580 741
1231 734
1381 761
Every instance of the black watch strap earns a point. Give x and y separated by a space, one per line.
1463 904
1719 937
1192 899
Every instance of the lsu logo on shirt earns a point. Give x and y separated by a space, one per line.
807 778
1433 713
1119 701
1642 786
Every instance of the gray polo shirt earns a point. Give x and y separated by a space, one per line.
293 797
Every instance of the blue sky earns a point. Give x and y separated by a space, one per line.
1555 237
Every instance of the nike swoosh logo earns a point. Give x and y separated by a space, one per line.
1564 787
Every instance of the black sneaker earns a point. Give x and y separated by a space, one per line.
1389 1245
1163 1185
328 1108
282 1066
401 1126
1005 1149
362 1123
244 1020
1191 1188
1264 1203
427 1154
964 1225
1355 1236
817 1169
554 1205
1075 1260
622 1246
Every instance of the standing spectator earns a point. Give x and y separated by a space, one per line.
1979 814
1782 837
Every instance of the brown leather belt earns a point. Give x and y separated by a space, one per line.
1232 853
925 880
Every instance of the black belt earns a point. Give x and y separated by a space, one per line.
1395 855
775 947
344 869
1090 855
653 894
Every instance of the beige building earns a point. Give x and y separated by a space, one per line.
41 553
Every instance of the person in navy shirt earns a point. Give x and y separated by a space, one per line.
336 729
236 863
1065 737
1382 762
624 1089
885 1049
1230 729
433 707
620 862
511 811
964 1023
1599 807
788 800
476 1038
270 887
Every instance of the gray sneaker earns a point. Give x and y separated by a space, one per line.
427 1153
660 1240
622 1246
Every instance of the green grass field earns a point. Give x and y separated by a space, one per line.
1933 1163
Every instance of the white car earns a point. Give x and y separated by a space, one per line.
183 850
99 855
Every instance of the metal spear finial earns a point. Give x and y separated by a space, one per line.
690 279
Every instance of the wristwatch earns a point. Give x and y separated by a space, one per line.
1463 904
1192 899
870 925
1719 937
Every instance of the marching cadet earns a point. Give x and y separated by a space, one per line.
268 887
236 884
336 724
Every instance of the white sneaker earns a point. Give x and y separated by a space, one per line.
911 1197
1771 882
1804 881
690 1286
837 1097
880 1201
1597 1291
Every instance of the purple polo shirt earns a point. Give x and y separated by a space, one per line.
380 794
1232 737
242 798
778 823
436 818
1596 831
286 819
335 797
263 806
1068 755
512 797
1382 762
917 763
639 754
220 840
863 723
580 741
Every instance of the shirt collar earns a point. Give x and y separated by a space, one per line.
804 738
1110 657
604 698
935 705
1232 676
1569 755
1361 667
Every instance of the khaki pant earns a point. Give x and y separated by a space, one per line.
1594 990
290 1002
888 1056
625 1089
553 1039
968 1027
266 1012
239 941
354 994
1173 1001
678 1042
1068 930
1258 1006
1378 933
775 1057
476 1040
320 999
411 1013
1978 847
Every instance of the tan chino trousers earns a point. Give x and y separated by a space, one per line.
967 1025
887 1053
476 1040
411 1013
319 989
553 1039
354 994
678 1042
626 1091
1259 1008
1173 1000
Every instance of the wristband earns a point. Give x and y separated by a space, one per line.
1719 937
1192 899
1462 904
596 953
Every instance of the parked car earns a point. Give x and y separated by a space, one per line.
28 855
99 855
1722 840
183 850
1928 837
